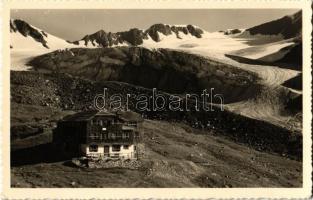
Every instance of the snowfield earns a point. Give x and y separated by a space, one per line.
266 106
210 43
215 45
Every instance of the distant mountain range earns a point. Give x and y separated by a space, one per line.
135 36
287 27
277 41
101 38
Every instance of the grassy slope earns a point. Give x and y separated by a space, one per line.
33 116
176 155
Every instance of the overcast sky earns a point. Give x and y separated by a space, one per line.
74 24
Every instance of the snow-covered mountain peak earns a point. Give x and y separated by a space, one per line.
135 36
26 36
28 41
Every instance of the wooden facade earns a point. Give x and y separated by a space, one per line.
100 134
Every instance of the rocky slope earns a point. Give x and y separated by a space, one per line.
287 27
168 70
60 91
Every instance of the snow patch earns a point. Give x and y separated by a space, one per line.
123 44
269 49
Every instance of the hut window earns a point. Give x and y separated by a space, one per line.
107 122
134 124
125 135
116 147
126 146
100 122
93 148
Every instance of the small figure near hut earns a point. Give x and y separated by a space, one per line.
98 135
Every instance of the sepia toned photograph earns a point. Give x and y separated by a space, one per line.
156 98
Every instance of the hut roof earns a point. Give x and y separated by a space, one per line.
88 115
129 116
80 116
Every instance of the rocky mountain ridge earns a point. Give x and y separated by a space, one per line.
102 38
165 69
287 26
136 36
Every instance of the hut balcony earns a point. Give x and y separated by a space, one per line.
114 138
